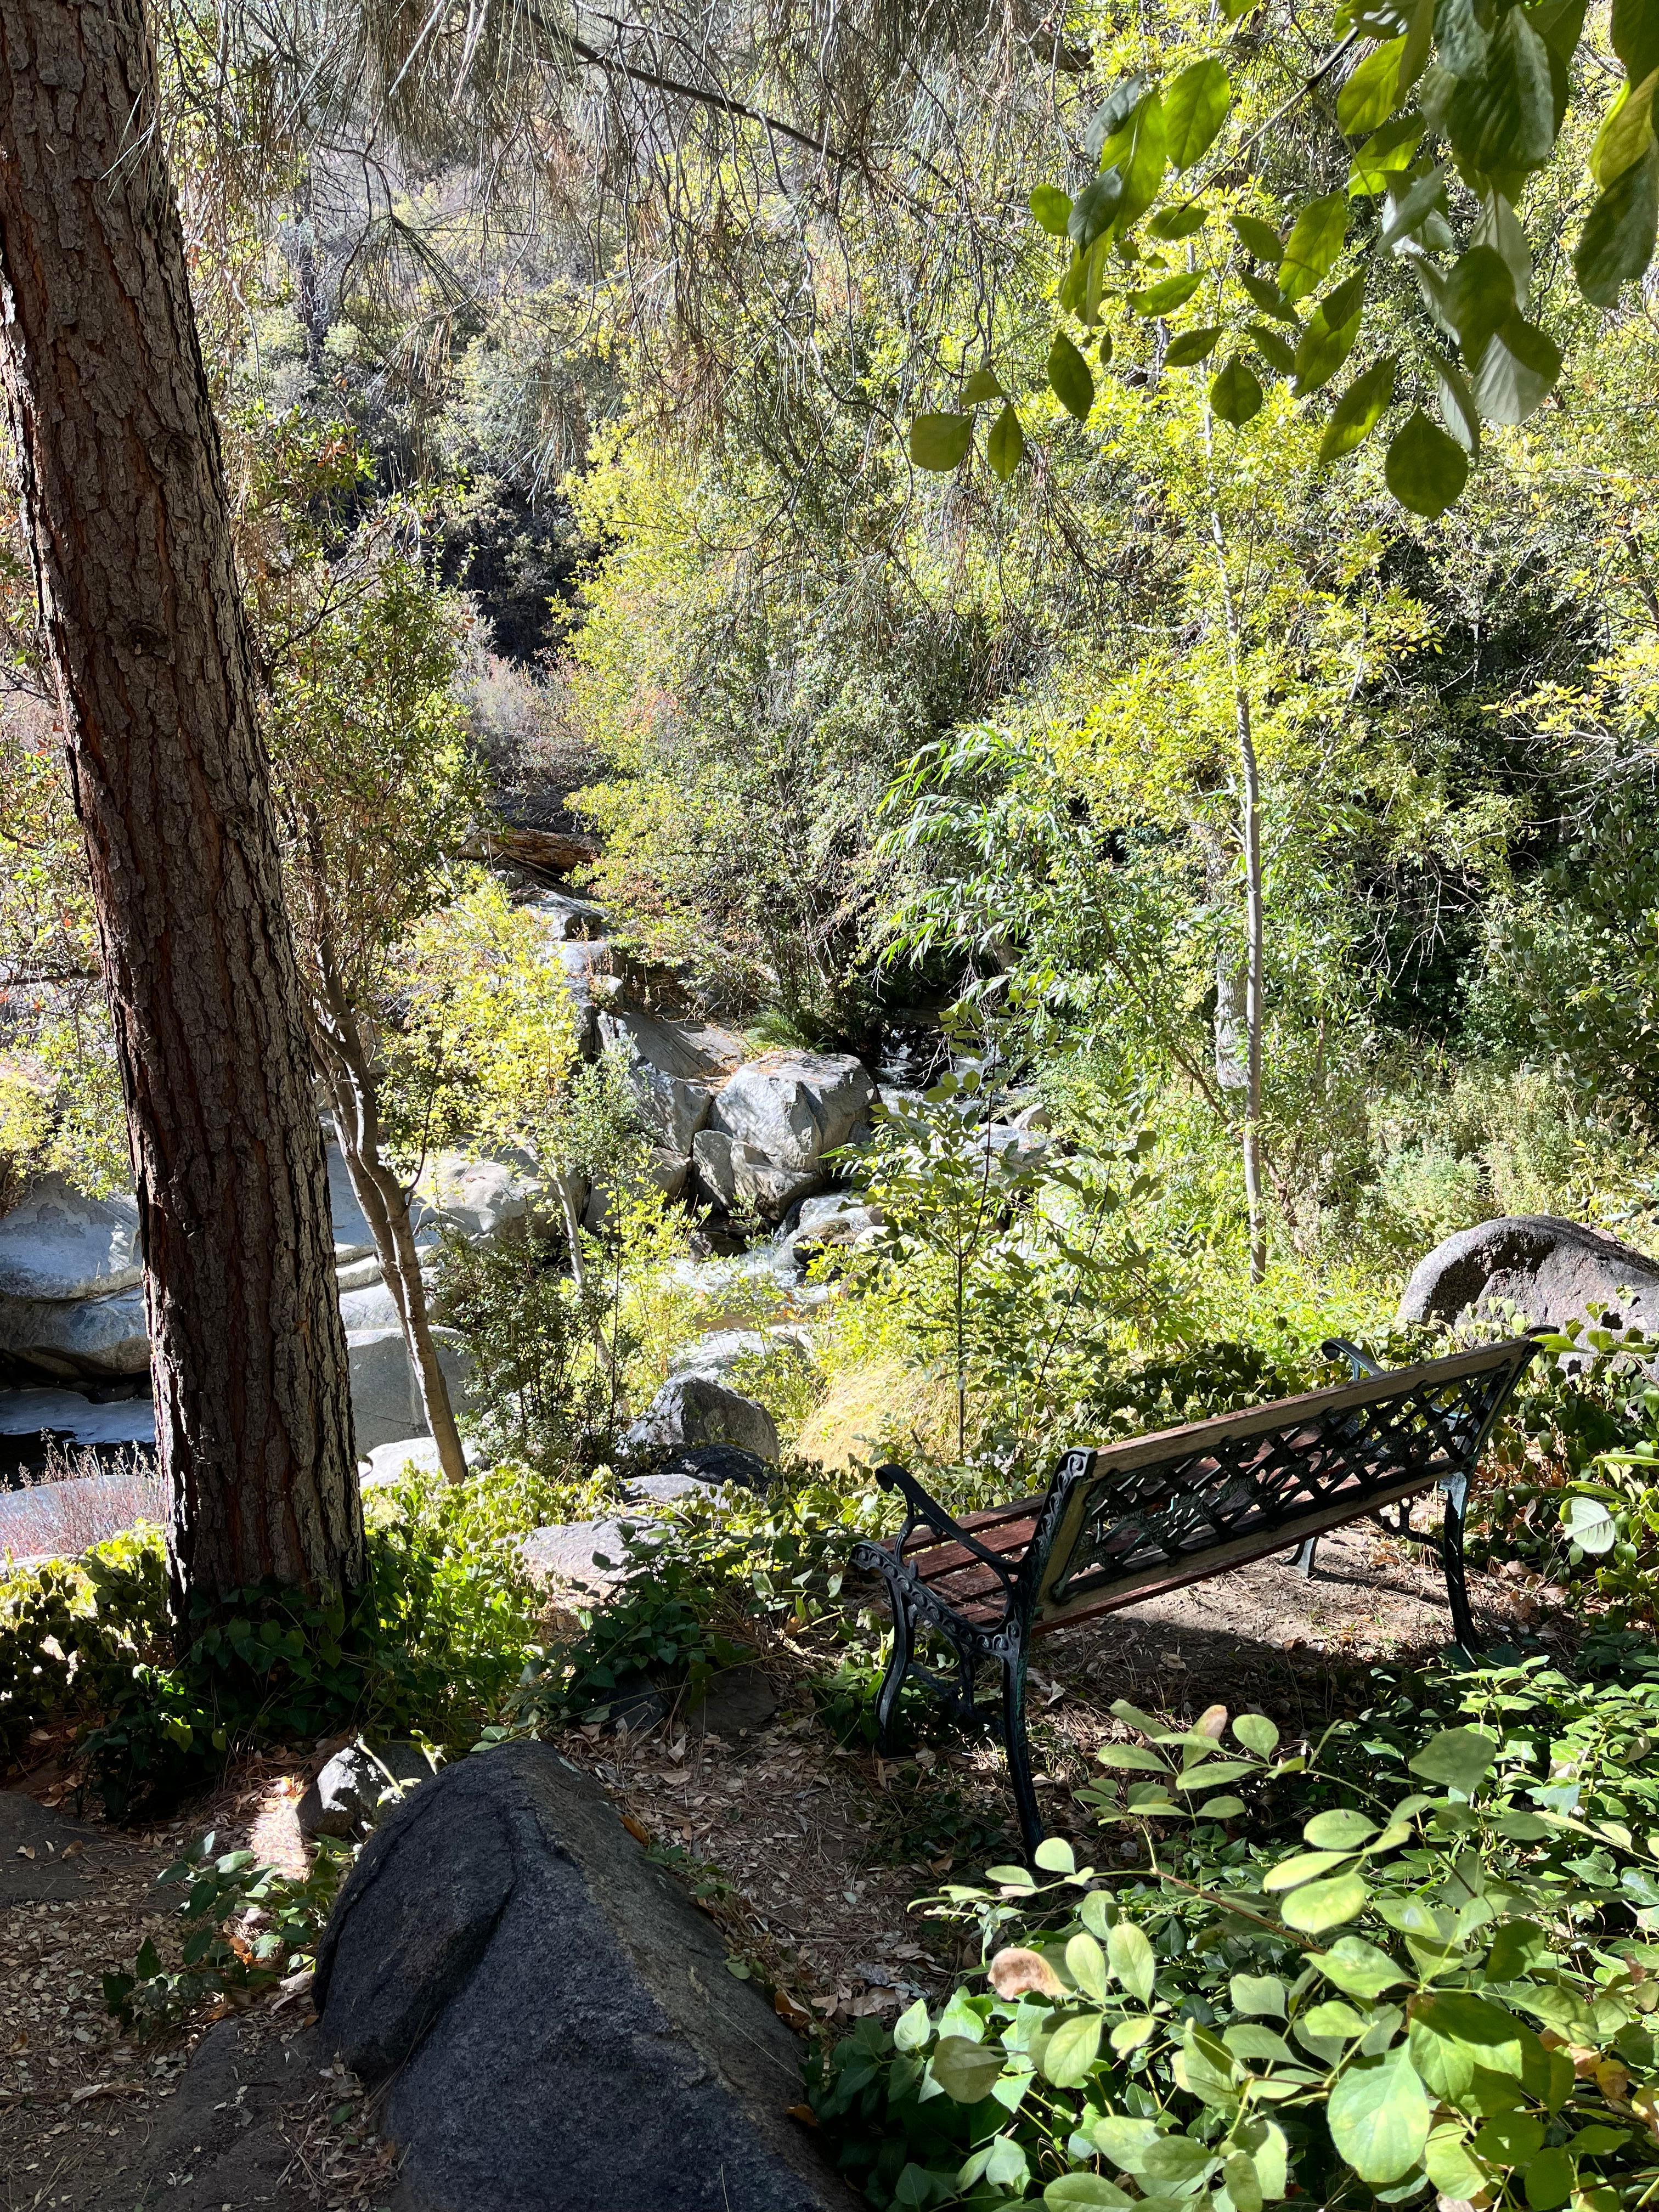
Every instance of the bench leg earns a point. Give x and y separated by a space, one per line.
1451 1553
897 1667
1019 1751
1304 1559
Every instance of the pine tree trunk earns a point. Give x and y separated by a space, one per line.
348 1079
124 493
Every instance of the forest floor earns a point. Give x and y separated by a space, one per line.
811 1857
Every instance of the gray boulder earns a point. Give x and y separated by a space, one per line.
591 1553
739 1176
79 1337
672 1107
357 1785
694 1051
549 2015
385 1404
567 918
1553 1271
480 1197
704 1467
698 1409
793 1107
58 1244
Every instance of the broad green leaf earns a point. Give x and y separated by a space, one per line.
1479 298
1303 1867
912 2028
1143 164
1257 1734
1353 418
1329 337
1269 2152
1460 37
1340 1830
1205 2068
1072 2051
1235 395
1379 2116
1636 36
1449 2164
1085 2192
1129 2034
965 2070
1113 112
1626 132
1135 1756
1460 1758
1333 2018
1055 1855
1174 2159
1052 207
1279 354
1589 1523
1211 1773
1550 2178
1412 208
1179 222
1517 371
1167 294
1241 2182
1616 244
1069 378
1122 2140
1499 226
1260 1993
1509 2138
1267 296
1005 444
1218 1809
1502 121
1318 1905
1457 401
981 385
1249 2039
1130 1957
1315 241
1191 346
1265 245
1132 1716
1085 1962
1384 155
940 441
1194 109
1372 92
1094 208
1459 2016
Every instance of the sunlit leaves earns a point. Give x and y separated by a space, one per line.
1358 1967
1425 470
1190 347
1635 29
1371 94
1616 242
1517 373
1503 120
1195 110
1268 297
940 441
1461 1758
1167 294
981 385
1379 2117
1315 241
1457 405
1235 394
1113 112
1180 222
1052 207
1479 298
1318 1905
966 2071
1384 155
1626 132
1005 444
1070 378
1258 238
1329 337
1143 160
1095 209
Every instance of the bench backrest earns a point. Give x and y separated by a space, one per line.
1156 1511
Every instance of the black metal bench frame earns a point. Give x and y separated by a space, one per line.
1154 1513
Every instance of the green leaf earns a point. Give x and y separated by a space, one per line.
966 2071
1085 1962
1315 241
1174 2159
1169 294
1005 444
1078 2192
1279 354
1333 2018
1459 1758
1191 346
1095 209
1257 1734
1479 298
1550 2178
940 441
1265 245
1502 121
1634 30
1318 1905
1073 2049
1372 92
1448 2162
1408 213
1384 155
1052 207
981 385
1132 2031
1509 2138
1266 293
1626 131
1379 2116
1113 112
1069 378
1248 2039
1179 222
1130 1957
1144 164
1590 1524
1135 1756
912 2028
1055 1855
1457 401
1259 1993
1211 1773
1235 395
1461 37
1243 2184
1304 1866
1329 337
1517 371
1194 109
1616 244
1341 1829
1353 418
1122 2140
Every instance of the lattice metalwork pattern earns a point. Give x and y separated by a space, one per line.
1234 1487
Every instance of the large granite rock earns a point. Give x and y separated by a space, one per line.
694 1051
385 1404
58 1244
87 1338
60 1520
357 1786
699 1409
1553 1271
480 1197
741 1177
793 1107
549 2015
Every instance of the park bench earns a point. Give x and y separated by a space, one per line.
1153 1513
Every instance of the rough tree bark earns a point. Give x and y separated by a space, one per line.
124 497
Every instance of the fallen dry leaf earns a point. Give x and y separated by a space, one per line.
791 2009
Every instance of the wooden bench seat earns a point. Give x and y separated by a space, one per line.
1133 1520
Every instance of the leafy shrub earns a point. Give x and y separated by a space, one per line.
71 1633
1441 1992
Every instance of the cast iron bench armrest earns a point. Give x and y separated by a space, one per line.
925 1511
1338 1348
